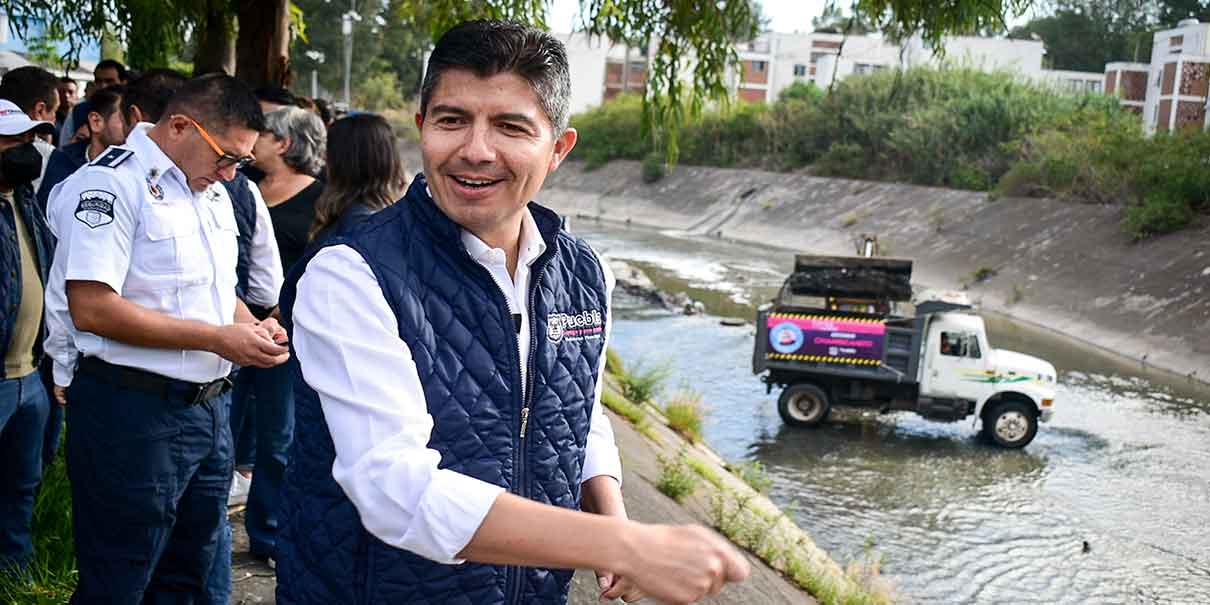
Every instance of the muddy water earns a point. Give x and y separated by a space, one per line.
1124 467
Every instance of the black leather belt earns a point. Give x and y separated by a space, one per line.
154 384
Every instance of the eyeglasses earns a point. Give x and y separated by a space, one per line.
224 159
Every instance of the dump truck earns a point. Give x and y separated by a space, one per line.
833 337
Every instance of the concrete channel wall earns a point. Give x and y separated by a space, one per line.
1062 265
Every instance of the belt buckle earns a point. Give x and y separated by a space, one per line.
211 390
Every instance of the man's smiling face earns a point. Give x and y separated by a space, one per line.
487 147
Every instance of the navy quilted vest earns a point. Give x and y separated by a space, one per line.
458 327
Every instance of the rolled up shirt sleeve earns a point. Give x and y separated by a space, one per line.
347 343
265 270
601 452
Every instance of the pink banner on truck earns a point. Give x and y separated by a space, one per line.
831 337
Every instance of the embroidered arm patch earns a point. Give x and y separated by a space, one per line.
95 208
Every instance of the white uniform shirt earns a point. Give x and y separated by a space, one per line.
347 341
265 275
138 228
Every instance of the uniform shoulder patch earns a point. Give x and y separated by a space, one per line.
112 157
95 208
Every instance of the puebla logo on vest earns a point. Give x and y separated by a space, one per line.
574 326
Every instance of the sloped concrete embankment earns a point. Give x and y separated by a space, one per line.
1061 265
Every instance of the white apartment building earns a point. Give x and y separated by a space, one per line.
1177 91
774 61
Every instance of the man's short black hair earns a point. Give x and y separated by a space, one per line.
25 86
151 91
67 80
218 102
115 65
107 100
325 110
487 48
275 95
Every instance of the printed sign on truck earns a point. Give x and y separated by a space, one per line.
825 339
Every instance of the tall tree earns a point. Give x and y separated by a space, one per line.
694 39
1173 11
1085 35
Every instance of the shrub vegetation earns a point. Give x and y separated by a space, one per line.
949 127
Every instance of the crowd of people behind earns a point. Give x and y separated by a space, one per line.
314 173
197 275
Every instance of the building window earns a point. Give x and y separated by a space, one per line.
867 68
800 70
759 66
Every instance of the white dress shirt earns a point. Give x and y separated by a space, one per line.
173 253
265 275
347 341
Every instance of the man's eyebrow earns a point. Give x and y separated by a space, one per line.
450 109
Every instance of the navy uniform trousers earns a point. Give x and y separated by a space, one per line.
150 476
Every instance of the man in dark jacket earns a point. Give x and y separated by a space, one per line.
25 253
103 115
449 431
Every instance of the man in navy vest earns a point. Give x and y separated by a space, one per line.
450 353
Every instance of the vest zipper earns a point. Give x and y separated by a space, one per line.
513 573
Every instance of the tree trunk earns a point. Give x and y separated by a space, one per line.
263 47
215 41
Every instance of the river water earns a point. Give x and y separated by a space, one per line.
1124 466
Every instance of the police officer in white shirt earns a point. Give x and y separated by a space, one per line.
149 267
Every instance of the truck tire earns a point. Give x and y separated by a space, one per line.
803 405
1010 424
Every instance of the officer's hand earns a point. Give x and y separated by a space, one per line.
60 394
276 333
682 563
614 586
249 345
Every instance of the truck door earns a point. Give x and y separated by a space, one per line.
956 361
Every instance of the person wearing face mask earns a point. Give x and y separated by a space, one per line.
25 253
36 92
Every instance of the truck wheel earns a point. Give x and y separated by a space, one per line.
803 405
1010 424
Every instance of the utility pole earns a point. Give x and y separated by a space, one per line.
346 29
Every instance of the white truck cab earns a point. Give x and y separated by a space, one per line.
960 363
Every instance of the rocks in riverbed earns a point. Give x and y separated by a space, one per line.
633 281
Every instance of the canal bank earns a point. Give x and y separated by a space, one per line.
1105 507
1060 265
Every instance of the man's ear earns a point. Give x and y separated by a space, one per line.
419 120
96 123
563 146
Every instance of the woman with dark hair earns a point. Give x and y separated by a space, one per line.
365 174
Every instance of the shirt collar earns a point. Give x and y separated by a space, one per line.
529 249
150 156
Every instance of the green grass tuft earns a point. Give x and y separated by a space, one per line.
685 414
677 480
